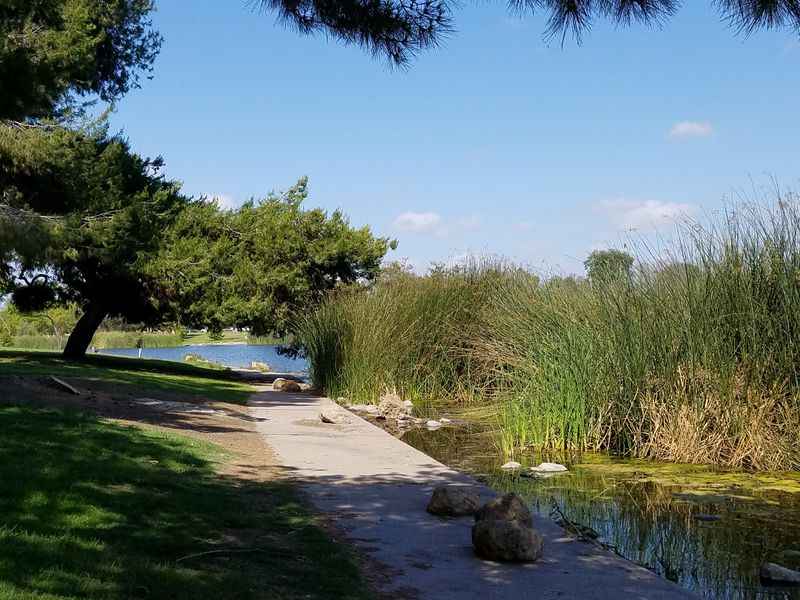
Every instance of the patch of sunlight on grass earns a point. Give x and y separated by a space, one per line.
91 509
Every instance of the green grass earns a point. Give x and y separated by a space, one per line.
129 339
132 375
694 357
94 510
101 340
228 337
199 361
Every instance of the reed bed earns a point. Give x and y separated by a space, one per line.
692 356
130 339
101 340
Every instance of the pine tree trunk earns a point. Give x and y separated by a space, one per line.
82 335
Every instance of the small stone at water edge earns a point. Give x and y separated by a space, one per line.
504 531
391 406
433 424
509 541
453 501
332 417
511 466
772 573
509 507
546 467
445 420
286 385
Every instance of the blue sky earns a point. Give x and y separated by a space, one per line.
496 143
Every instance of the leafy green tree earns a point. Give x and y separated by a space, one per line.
608 265
53 52
83 215
10 320
399 29
258 265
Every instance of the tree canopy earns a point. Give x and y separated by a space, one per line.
55 51
82 216
258 265
603 266
399 29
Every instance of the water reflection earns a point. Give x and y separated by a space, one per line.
709 532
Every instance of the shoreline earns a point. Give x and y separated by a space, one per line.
374 487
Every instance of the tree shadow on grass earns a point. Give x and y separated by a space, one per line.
95 510
133 375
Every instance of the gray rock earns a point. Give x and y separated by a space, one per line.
772 573
453 501
286 385
432 424
391 406
511 466
260 366
505 508
333 416
547 467
506 540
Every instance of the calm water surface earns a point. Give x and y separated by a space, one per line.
707 531
230 355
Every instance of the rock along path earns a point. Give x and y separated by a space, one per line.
374 488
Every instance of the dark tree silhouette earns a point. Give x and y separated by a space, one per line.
399 29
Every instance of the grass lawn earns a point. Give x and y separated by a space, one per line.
229 337
132 374
90 509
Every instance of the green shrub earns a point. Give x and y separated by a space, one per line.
129 339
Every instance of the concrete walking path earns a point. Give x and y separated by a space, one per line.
375 488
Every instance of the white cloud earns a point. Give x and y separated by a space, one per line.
691 129
433 223
645 214
418 222
224 201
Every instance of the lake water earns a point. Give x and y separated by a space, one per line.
230 355
709 531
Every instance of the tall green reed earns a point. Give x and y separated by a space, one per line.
694 356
